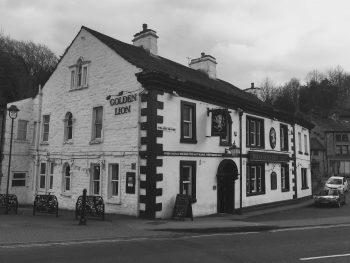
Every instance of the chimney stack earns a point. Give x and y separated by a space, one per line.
252 85
205 64
147 38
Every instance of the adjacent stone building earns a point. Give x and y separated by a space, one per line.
138 129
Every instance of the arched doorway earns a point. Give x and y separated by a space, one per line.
226 176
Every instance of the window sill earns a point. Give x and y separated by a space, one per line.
44 143
113 201
68 142
285 190
78 88
96 141
300 152
306 153
185 140
253 194
305 188
284 150
66 194
255 147
21 141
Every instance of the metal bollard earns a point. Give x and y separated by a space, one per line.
82 220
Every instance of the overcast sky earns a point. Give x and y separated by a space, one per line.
250 39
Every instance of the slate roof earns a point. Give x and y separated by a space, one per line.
152 63
142 59
330 125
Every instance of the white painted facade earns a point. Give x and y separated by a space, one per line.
120 144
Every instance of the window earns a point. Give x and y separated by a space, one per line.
300 143
341 149
22 130
79 74
188 179
113 180
18 179
188 122
97 123
315 152
68 122
284 137
255 179
52 167
304 184
34 132
255 132
46 127
306 142
284 177
341 137
226 137
72 79
273 181
42 176
66 177
95 179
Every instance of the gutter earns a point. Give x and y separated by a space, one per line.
37 140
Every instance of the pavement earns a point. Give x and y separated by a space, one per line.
24 228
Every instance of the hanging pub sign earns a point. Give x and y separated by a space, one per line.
272 138
219 122
123 103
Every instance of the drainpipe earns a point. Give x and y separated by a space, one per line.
295 164
2 133
240 112
37 140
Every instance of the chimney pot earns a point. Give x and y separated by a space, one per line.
206 64
252 85
147 39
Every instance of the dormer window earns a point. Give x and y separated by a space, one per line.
79 74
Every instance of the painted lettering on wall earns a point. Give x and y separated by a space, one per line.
123 100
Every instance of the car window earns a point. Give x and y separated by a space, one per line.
335 181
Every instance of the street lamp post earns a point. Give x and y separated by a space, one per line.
13 110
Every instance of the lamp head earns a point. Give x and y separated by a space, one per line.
13 110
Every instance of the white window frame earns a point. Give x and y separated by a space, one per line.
300 143
93 181
306 144
67 126
46 124
19 179
50 181
35 127
22 133
79 74
111 181
304 179
94 124
42 175
65 178
188 122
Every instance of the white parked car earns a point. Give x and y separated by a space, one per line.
337 182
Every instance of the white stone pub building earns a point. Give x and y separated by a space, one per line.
137 129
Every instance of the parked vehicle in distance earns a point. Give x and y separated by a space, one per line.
337 182
328 196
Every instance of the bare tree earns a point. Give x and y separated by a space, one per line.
268 91
314 76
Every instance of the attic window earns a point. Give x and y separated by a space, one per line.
79 74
